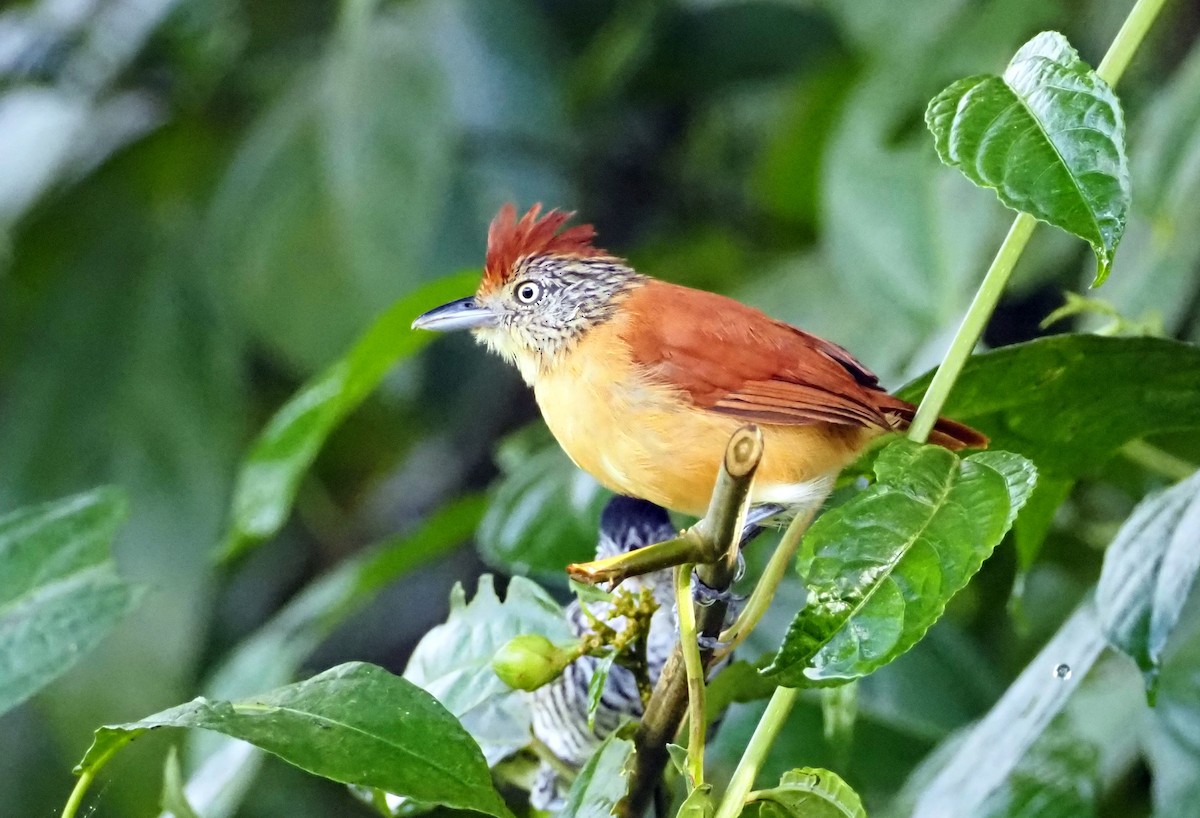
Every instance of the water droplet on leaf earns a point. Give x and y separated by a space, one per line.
1062 672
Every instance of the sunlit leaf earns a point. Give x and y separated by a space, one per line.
809 793
1048 136
602 781
1148 573
285 449
881 568
1069 401
983 761
356 723
543 512
59 590
454 660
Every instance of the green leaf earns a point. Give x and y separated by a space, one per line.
174 799
698 804
286 448
596 687
810 793
1068 402
984 760
881 568
1148 573
1048 136
454 660
273 654
355 723
543 512
1030 529
1058 778
59 590
602 781
1172 737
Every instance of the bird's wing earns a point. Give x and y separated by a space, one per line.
733 359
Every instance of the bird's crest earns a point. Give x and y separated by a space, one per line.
510 240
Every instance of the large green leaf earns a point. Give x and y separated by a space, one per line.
1048 136
223 769
602 781
1148 573
1068 402
809 793
881 568
543 512
59 589
355 723
454 660
286 448
983 762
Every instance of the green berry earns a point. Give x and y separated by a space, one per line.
529 661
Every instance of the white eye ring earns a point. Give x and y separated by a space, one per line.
528 292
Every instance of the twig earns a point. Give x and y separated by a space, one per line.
719 534
694 666
768 728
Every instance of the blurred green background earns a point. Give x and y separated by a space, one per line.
203 202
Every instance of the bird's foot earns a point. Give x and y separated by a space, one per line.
705 595
710 643
756 519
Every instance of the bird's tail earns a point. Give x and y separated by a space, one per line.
947 433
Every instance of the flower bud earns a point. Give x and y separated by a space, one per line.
529 661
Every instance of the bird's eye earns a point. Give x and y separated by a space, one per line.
528 292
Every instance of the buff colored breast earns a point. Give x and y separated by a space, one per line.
645 439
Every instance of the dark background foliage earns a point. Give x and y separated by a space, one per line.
203 202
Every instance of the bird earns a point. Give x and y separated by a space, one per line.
642 381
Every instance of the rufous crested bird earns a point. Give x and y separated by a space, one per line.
643 382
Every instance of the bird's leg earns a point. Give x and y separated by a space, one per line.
704 595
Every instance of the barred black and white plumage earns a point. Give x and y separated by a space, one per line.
560 709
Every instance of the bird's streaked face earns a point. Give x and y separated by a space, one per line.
541 291
548 304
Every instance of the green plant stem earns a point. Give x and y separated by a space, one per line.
1115 61
1156 460
695 673
972 326
756 751
764 591
1132 32
87 776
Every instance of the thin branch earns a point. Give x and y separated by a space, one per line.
720 536
694 666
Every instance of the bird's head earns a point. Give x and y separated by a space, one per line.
543 288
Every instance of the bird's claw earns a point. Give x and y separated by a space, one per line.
705 595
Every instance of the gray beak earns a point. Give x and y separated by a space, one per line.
464 313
